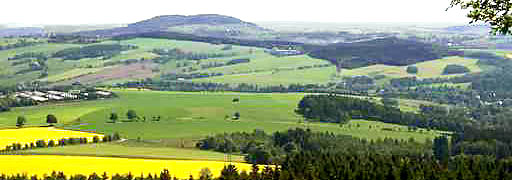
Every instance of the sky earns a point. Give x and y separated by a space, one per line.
75 12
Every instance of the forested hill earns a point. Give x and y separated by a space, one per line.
166 22
389 51
178 20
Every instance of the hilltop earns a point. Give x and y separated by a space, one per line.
211 25
180 20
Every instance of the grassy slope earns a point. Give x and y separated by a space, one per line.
55 66
263 69
429 69
260 62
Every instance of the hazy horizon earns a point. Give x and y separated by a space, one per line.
97 12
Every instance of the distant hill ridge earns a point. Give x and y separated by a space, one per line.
22 31
470 29
179 20
164 22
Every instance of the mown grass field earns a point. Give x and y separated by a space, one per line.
70 165
135 149
189 116
322 75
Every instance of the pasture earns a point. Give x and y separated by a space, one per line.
324 75
190 116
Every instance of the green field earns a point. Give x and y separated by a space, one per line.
307 76
133 149
263 69
186 115
60 70
183 148
428 69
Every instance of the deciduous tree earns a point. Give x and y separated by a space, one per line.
495 12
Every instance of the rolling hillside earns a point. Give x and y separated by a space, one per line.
142 63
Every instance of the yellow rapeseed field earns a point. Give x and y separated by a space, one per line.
31 135
71 165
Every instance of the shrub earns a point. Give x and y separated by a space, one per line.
113 117
455 69
51 119
238 61
227 47
51 143
116 136
131 114
21 121
107 138
41 144
412 69
96 139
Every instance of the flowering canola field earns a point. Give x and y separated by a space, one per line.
31 135
71 165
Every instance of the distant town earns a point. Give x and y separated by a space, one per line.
54 95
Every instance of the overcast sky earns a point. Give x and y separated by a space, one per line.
30 12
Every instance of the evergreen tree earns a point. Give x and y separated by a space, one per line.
229 172
441 149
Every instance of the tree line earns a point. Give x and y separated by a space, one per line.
262 148
475 131
170 82
178 54
60 142
92 51
341 109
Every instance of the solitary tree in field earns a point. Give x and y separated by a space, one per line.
51 119
497 13
236 116
114 117
21 121
131 114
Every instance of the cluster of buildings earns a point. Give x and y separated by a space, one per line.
45 96
284 52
